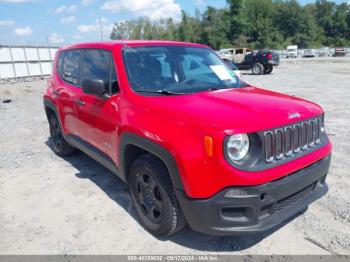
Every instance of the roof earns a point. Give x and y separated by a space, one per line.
130 43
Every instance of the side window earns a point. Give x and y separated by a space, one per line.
239 51
114 80
96 65
71 66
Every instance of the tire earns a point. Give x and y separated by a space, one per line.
153 196
268 69
59 144
257 69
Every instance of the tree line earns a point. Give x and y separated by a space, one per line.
250 23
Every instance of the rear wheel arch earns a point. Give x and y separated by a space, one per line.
50 108
133 146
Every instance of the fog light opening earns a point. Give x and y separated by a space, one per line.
263 196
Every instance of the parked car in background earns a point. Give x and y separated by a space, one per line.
324 52
339 51
292 51
194 143
232 66
261 62
309 53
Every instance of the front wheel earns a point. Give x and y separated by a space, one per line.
153 196
257 69
268 69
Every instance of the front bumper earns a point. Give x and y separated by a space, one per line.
258 208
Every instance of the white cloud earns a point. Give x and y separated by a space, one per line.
68 19
153 9
199 2
95 27
87 2
23 31
56 38
77 37
60 9
71 8
88 28
64 8
103 20
6 22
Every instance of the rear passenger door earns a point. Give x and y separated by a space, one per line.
66 87
98 117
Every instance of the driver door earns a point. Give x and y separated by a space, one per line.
98 117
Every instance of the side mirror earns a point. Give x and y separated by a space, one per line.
94 87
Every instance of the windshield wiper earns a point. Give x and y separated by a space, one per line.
160 91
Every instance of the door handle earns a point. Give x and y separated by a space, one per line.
80 103
57 91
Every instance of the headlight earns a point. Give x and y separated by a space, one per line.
237 146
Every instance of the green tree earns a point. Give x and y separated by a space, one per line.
253 23
215 27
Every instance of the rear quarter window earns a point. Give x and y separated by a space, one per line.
60 63
71 66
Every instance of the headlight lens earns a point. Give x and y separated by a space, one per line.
237 146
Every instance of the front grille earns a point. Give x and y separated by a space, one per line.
290 140
288 201
281 204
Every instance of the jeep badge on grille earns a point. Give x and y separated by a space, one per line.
294 115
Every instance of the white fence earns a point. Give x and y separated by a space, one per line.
26 61
283 53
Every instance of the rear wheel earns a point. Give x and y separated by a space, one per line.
268 69
153 196
257 69
60 145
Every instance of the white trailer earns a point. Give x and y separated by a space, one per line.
292 51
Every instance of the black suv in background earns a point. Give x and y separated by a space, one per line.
260 62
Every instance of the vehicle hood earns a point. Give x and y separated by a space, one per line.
246 109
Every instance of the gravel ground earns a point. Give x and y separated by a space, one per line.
50 205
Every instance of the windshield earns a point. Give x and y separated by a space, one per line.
177 70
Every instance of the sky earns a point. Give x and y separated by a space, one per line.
53 22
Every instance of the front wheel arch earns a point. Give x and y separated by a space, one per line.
132 146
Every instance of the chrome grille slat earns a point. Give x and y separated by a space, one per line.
304 136
296 138
291 140
269 146
311 133
279 143
317 130
288 134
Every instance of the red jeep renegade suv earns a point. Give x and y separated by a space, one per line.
195 143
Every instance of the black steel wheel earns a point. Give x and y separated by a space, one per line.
60 146
153 196
268 69
149 197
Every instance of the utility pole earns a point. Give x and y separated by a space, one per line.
47 42
101 28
